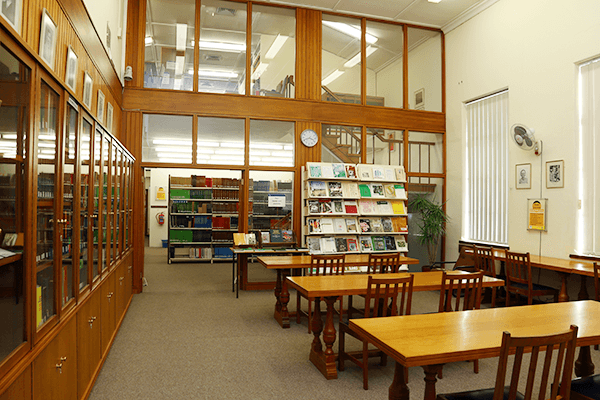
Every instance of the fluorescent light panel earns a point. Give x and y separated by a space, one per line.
233 47
217 74
332 77
356 59
275 47
181 39
350 31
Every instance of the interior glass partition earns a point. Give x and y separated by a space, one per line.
220 141
424 69
385 64
85 233
272 143
384 146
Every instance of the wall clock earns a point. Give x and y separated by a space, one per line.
309 138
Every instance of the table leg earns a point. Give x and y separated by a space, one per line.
583 292
563 296
584 365
282 315
399 389
431 372
323 360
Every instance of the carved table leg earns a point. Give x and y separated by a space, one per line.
431 371
583 293
283 297
399 389
563 296
584 365
323 360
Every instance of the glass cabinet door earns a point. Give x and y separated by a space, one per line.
85 233
104 242
119 206
66 223
113 201
46 221
97 206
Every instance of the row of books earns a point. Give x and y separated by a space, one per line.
354 244
182 206
364 207
368 172
202 181
229 207
356 225
271 186
264 237
225 194
191 252
345 189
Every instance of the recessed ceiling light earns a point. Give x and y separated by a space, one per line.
434 1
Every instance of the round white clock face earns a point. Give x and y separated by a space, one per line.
309 137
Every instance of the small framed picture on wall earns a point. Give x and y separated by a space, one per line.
523 176
11 11
420 99
88 85
71 73
47 39
109 117
100 110
555 174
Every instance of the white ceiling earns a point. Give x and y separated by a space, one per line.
446 14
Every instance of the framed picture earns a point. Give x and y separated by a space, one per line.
88 84
523 176
71 73
109 117
11 11
100 109
555 174
47 39
420 99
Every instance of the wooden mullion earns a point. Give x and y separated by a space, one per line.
405 69
196 61
248 49
194 139
363 62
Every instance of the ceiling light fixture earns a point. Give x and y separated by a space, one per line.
275 47
181 37
434 1
234 47
350 31
332 77
217 74
356 59
259 70
148 40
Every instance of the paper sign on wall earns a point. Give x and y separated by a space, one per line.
161 194
276 200
536 215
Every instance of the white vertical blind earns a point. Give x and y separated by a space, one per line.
487 169
588 238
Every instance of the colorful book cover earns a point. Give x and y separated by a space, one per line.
314 225
387 224
365 244
365 224
315 171
352 244
378 243
325 206
390 190
398 207
399 190
390 243
314 245
376 225
339 171
378 172
365 190
350 171
335 189
351 207
341 245
367 207
377 190
317 189
401 244
351 225
288 235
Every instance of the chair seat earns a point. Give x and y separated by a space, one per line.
481 394
534 286
588 386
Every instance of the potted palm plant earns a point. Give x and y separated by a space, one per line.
432 224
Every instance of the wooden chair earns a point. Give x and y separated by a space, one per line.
384 292
486 263
321 264
464 262
378 264
560 383
466 289
519 280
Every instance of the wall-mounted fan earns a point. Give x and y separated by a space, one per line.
525 139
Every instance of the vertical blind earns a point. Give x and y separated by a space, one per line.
486 196
589 151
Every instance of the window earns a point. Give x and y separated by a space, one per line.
385 64
486 189
588 233
167 139
424 69
272 143
220 141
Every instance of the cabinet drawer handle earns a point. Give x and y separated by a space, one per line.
59 367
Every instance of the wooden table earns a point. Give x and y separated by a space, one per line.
331 287
283 264
431 340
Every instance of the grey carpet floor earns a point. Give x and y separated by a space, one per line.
187 337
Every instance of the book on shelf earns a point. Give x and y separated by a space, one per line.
400 224
384 207
401 244
288 235
339 225
350 189
313 244
327 225
377 190
378 172
314 170
341 244
390 243
317 189
364 189
365 172
352 244
399 190
339 171
398 207
387 225
376 225
338 206
389 174
335 189
350 171
314 207
365 225
350 206
327 170
276 236
400 173
367 207
378 243
314 225
328 245
365 243
265 237
389 190
351 225
325 206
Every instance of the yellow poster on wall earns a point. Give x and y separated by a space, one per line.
161 194
536 215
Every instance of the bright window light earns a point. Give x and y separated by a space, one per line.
350 31
356 59
176 160
9 136
217 74
172 155
173 142
275 47
148 40
283 153
46 137
233 47
259 70
332 77
288 147
259 153
226 157
233 144
265 146
173 150
181 37
205 151
208 144
231 151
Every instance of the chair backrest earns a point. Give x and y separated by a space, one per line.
597 280
466 258
327 264
466 288
518 268
385 292
565 358
382 263
485 261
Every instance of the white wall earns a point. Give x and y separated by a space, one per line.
532 48
113 13
425 72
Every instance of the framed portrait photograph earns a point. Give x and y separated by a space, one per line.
88 85
109 117
555 174
523 176
47 39
420 99
71 73
100 108
11 11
